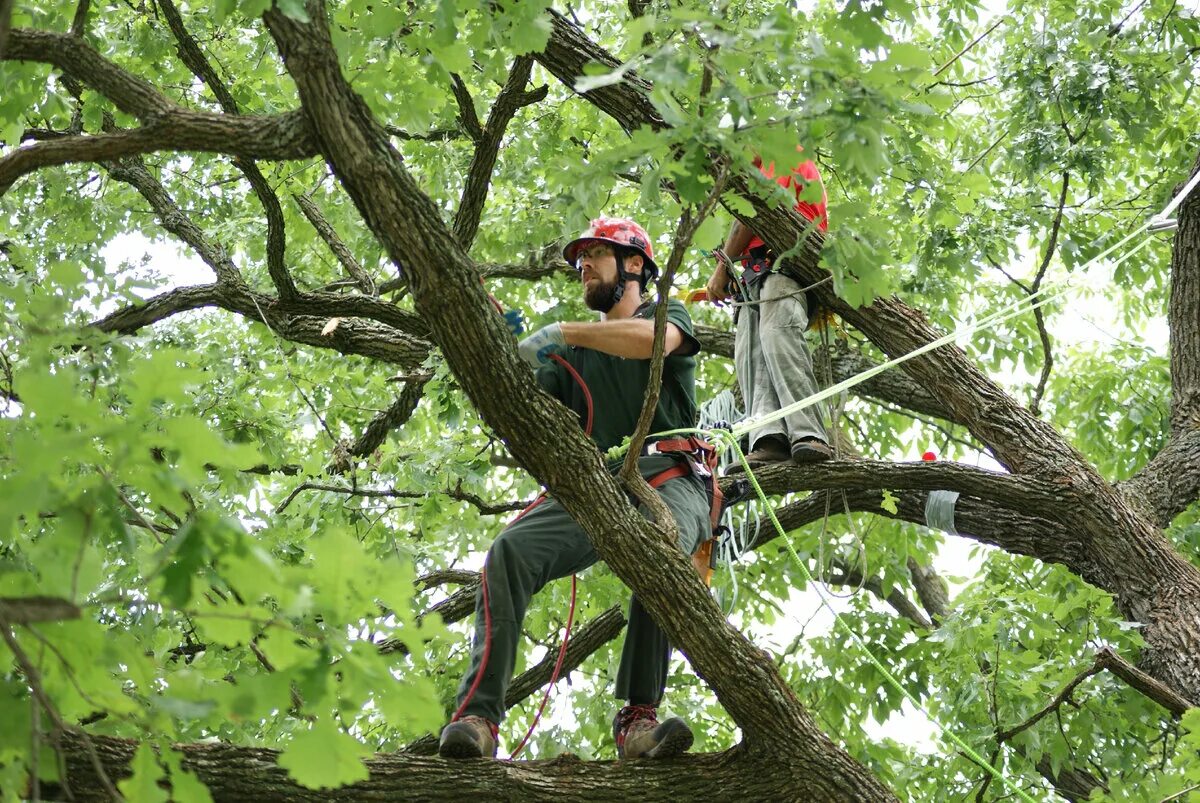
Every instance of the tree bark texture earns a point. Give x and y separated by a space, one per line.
237 774
539 433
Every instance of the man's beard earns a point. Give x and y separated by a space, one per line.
601 297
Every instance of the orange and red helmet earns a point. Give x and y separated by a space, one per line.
621 231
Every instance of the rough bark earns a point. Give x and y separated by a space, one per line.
541 435
487 148
584 641
302 320
1183 315
247 773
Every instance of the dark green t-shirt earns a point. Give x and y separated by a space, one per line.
618 385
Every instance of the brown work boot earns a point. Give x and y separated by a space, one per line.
639 734
811 450
769 450
468 737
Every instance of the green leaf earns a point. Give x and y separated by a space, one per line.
889 502
324 757
142 786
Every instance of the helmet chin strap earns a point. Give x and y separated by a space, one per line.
623 276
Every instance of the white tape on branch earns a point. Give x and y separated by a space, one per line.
939 510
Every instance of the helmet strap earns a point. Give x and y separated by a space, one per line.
624 276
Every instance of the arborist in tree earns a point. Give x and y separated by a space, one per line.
610 359
772 361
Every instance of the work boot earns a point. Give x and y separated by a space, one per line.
468 737
770 449
639 734
811 450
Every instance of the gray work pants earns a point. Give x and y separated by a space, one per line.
773 365
546 544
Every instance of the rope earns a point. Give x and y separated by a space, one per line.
731 440
1025 305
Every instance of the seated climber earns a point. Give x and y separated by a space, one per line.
612 358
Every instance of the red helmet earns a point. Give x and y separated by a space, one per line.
618 231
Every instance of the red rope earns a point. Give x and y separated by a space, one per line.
562 650
587 394
562 654
487 613
487 645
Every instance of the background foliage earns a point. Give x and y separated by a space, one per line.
209 612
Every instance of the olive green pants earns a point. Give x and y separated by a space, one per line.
547 544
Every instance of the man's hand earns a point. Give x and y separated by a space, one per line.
718 284
535 349
515 321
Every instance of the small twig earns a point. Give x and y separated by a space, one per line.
969 45
1039 312
1180 794
33 678
983 155
629 474
35 748
484 507
137 514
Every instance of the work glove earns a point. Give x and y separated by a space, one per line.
535 349
515 321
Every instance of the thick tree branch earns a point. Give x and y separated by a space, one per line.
194 58
23 610
276 138
285 285
353 269
191 55
1015 492
302 321
1170 483
6 10
1183 315
893 387
567 53
249 773
540 433
539 266
467 117
133 171
487 146
393 417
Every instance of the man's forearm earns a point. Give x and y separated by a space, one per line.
739 237
633 339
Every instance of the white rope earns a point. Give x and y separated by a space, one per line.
1178 199
1023 306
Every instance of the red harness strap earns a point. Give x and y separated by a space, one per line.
701 460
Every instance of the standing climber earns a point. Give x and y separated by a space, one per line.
773 365
612 359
